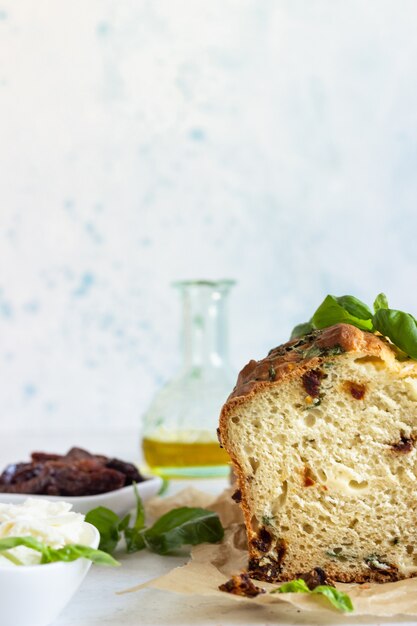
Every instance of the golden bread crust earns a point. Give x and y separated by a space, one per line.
290 359
286 362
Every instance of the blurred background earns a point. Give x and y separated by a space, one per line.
144 141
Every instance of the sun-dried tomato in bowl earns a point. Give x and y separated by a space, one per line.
76 473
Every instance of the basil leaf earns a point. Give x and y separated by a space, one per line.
380 302
346 309
108 525
398 326
183 526
301 329
29 542
70 552
294 586
338 599
354 307
334 310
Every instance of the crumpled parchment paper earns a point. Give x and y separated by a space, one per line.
213 564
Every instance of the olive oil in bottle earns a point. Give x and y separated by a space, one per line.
179 434
178 458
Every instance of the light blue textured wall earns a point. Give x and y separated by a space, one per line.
144 141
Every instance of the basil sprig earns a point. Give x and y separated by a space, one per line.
338 599
399 327
185 526
70 552
111 527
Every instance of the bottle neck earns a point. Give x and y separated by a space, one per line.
204 330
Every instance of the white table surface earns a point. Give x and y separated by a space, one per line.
97 603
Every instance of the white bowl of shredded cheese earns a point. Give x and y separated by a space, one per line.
33 594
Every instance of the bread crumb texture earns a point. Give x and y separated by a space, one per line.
322 435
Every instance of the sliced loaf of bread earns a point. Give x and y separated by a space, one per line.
322 435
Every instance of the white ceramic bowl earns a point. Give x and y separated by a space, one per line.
34 595
120 501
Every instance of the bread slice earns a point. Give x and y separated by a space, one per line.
322 436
